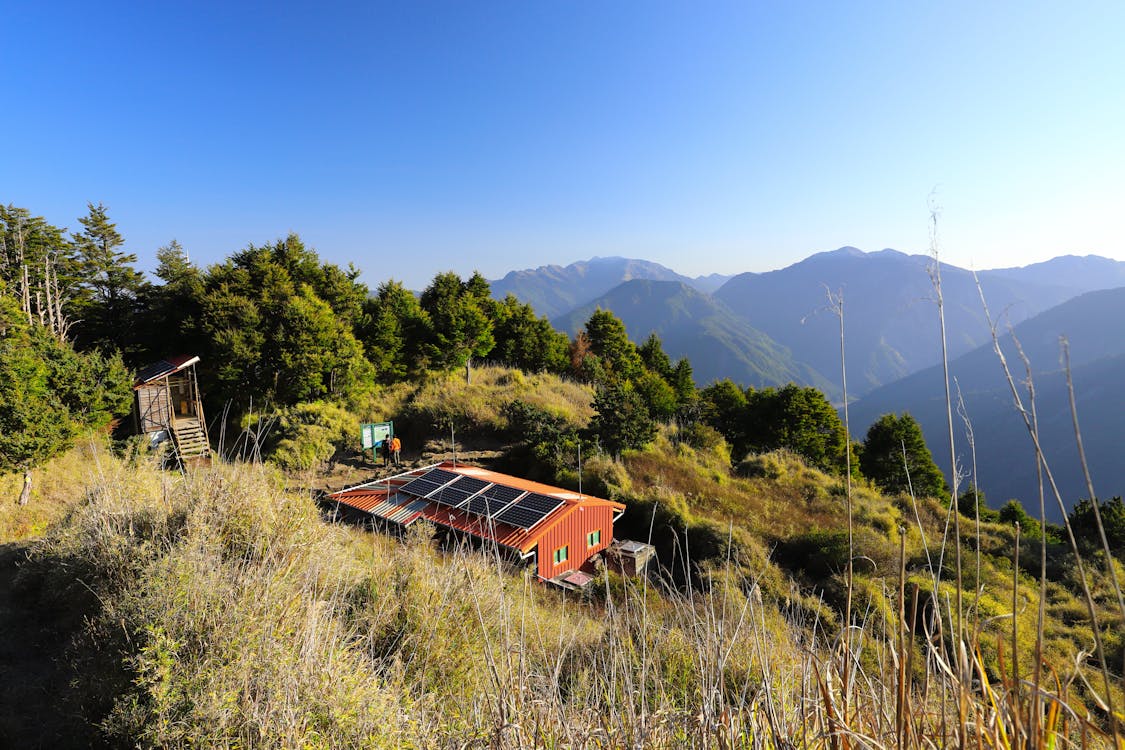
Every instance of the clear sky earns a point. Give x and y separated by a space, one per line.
417 137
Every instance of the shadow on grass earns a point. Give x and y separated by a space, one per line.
46 698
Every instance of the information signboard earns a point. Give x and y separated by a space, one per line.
372 435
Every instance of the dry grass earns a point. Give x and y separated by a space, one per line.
241 618
479 405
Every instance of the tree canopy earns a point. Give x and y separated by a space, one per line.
895 457
49 393
278 327
1085 524
799 419
621 419
459 326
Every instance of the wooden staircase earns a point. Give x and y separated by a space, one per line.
191 440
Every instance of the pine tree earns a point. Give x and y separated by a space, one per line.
49 392
525 341
40 267
271 336
621 421
882 459
393 332
800 420
108 308
610 343
459 327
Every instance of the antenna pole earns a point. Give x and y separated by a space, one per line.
579 468
453 442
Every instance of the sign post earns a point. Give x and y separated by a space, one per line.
373 435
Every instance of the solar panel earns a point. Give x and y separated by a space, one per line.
428 482
482 505
441 475
529 510
514 515
493 500
420 487
502 493
458 492
541 503
472 485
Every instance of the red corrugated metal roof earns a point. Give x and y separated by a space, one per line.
380 499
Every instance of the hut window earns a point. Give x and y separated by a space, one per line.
594 538
561 554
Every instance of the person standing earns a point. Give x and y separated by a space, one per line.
396 448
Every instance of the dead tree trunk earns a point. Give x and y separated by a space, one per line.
25 493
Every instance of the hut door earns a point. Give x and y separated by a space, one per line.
152 406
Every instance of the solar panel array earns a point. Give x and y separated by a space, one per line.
455 494
508 505
529 510
428 482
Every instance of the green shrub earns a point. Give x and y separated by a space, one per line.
308 435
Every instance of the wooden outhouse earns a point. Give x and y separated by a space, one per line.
167 408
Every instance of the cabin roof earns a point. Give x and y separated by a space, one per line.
385 498
164 368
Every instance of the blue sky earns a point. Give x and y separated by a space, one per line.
416 137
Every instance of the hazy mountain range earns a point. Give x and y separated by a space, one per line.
556 290
771 328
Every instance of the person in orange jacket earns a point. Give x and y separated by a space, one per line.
396 447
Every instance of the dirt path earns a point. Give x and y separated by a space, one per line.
356 469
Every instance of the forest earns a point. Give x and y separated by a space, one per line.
276 328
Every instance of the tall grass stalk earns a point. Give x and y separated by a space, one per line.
1031 426
836 304
934 270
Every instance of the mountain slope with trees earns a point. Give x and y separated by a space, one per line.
693 325
1094 325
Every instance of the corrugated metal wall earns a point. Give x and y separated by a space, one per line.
572 531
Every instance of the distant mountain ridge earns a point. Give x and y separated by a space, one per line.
891 321
554 290
692 324
1083 273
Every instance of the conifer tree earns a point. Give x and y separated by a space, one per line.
609 341
459 327
49 392
393 332
107 310
39 265
882 459
621 420
526 341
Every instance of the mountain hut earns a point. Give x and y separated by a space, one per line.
167 408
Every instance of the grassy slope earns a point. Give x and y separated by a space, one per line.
223 610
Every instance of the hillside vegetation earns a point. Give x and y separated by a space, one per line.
221 608
809 590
